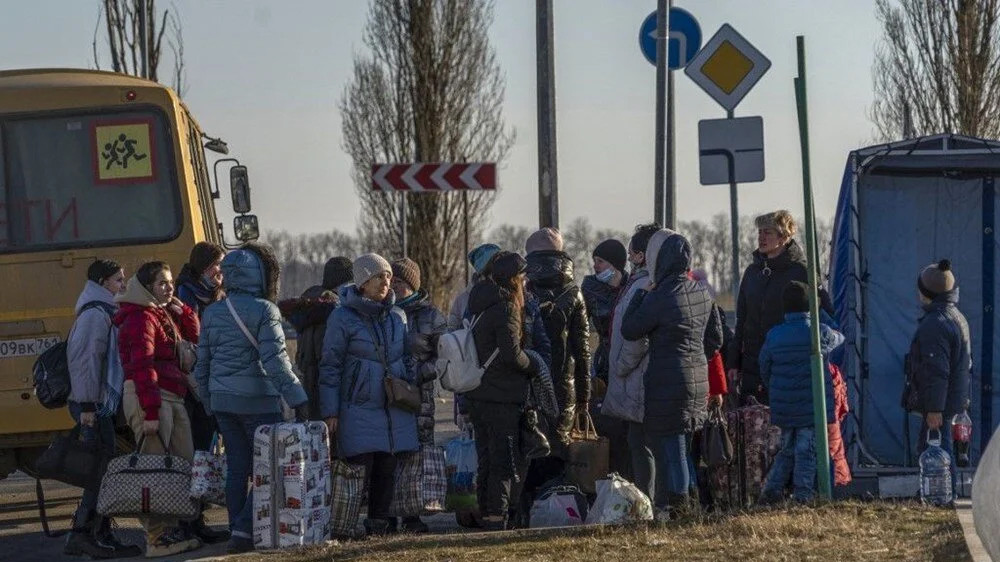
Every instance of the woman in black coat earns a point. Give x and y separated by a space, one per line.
496 405
778 261
676 315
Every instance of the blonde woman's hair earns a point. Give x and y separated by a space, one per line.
781 221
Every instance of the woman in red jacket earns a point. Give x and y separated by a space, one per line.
150 321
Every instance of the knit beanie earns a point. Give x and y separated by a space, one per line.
508 265
795 297
336 272
101 270
936 279
546 239
613 252
369 266
480 257
203 256
407 270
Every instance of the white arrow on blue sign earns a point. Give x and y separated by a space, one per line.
684 38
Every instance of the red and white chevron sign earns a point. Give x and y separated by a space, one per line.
434 177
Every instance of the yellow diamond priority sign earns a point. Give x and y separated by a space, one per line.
727 67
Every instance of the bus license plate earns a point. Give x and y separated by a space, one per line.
26 347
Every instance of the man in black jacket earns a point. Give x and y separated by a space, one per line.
940 358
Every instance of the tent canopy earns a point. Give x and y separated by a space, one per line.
903 206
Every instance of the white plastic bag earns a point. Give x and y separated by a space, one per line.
558 507
619 501
461 467
208 474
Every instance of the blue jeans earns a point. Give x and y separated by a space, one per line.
796 459
237 432
672 476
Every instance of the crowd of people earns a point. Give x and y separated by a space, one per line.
203 354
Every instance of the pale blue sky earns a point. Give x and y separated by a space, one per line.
267 76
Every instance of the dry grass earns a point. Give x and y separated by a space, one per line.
841 531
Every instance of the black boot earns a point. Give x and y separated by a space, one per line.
414 525
106 538
82 542
377 527
203 532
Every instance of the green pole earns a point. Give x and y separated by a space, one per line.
818 370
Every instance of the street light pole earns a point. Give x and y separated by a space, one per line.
548 192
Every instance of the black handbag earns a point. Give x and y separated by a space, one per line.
74 462
534 444
716 447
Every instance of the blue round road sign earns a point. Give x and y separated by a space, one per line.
684 39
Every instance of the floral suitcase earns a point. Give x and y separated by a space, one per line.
291 482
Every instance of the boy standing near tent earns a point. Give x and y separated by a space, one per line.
940 360
785 369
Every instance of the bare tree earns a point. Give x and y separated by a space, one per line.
121 20
303 257
510 237
429 89
937 69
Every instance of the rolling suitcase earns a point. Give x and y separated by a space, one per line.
291 480
755 442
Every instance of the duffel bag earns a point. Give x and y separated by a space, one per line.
140 484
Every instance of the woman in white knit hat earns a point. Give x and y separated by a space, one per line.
362 350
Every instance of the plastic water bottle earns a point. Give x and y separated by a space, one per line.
935 473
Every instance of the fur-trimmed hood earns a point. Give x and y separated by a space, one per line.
252 270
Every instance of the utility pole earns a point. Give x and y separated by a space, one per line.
664 206
548 184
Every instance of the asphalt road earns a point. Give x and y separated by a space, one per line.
22 539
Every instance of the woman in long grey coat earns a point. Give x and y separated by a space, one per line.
365 344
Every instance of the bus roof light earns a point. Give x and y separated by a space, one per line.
130 95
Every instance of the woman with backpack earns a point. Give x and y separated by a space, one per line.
243 372
364 351
151 324
96 381
497 404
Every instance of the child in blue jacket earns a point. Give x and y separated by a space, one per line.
786 370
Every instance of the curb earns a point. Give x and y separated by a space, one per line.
963 508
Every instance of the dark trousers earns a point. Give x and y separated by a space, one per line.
498 447
616 431
751 385
380 471
104 430
203 426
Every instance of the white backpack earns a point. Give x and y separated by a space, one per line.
458 361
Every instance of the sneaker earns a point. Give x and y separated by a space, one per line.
106 537
82 543
239 545
170 543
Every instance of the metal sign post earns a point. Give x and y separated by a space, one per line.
727 68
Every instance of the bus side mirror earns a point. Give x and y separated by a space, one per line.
239 185
246 228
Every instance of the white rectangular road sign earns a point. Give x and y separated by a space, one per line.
731 150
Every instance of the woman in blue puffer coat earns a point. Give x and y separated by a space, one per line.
364 344
242 374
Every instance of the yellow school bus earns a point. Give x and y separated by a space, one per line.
92 165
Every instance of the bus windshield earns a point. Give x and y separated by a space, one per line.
86 180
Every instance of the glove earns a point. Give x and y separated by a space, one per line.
419 345
302 412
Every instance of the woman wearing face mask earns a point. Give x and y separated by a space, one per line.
149 321
600 293
365 343
778 261
199 285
